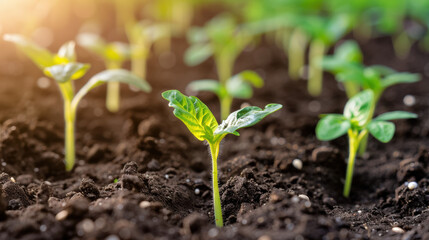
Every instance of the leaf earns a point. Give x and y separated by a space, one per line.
331 127
395 115
112 75
397 78
66 53
244 117
349 51
383 131
197 54
239 86
194 114
40 56
196 35
382 70
117 51
206 85
358 107
92 42
66 72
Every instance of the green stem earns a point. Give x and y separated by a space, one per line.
113 89
296 53
353 145
138 66
351 89
363 144
317 50
225 106
402 44
69 120
214 149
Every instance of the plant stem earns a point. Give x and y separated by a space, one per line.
317 50
353 144
69 121
296 53
138 66
363 144
224 64
214 150
351 89
113 89
225 106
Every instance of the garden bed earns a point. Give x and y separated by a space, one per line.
141 175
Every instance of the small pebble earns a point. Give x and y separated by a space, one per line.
144 204
166 176
213 232
359 211
297 163
409 100
43 228
197 191
62 215
264 237
412 185
398 230
304 197
43 82
12 179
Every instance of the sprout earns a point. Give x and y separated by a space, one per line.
225 41
113 54
203 125
357 121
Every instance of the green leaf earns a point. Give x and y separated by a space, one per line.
397 78
112 75
197 35
244 117
206 85
66 72
194 114
197 54
395 115
40 56
349 51
117 51
66 53
358 107
239 86
383 131
382 70
332 126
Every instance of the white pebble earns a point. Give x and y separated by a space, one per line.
197 191
43 82
409 100
398 230
12 179
43 228
304 197
359 211
62 215
297 163
412 185
144 204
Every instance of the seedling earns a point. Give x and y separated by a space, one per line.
63 69
203 125
113 54
225 41
357 122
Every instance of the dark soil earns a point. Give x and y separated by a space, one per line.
141 175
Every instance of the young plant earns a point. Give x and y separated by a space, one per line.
222 39
347 58
357 122
114 54
203 125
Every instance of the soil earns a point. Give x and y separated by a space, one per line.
141 175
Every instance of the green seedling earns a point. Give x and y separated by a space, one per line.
114 54
222 39
203 125
347 58
238 86
357 122
142 35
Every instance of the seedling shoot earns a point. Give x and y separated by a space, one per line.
201 122
357 122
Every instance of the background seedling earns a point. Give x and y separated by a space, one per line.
225 41
203 125
114 54
357 121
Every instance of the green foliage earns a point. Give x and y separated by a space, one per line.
357 121
114 51
202 124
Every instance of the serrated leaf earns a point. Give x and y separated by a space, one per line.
244 117
194 114
197 54
331 127
66 53
206 85
112 75
66 72
40 56
395 115
358 107
383 131
397 78
240 85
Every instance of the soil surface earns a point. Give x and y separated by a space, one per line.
141 175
